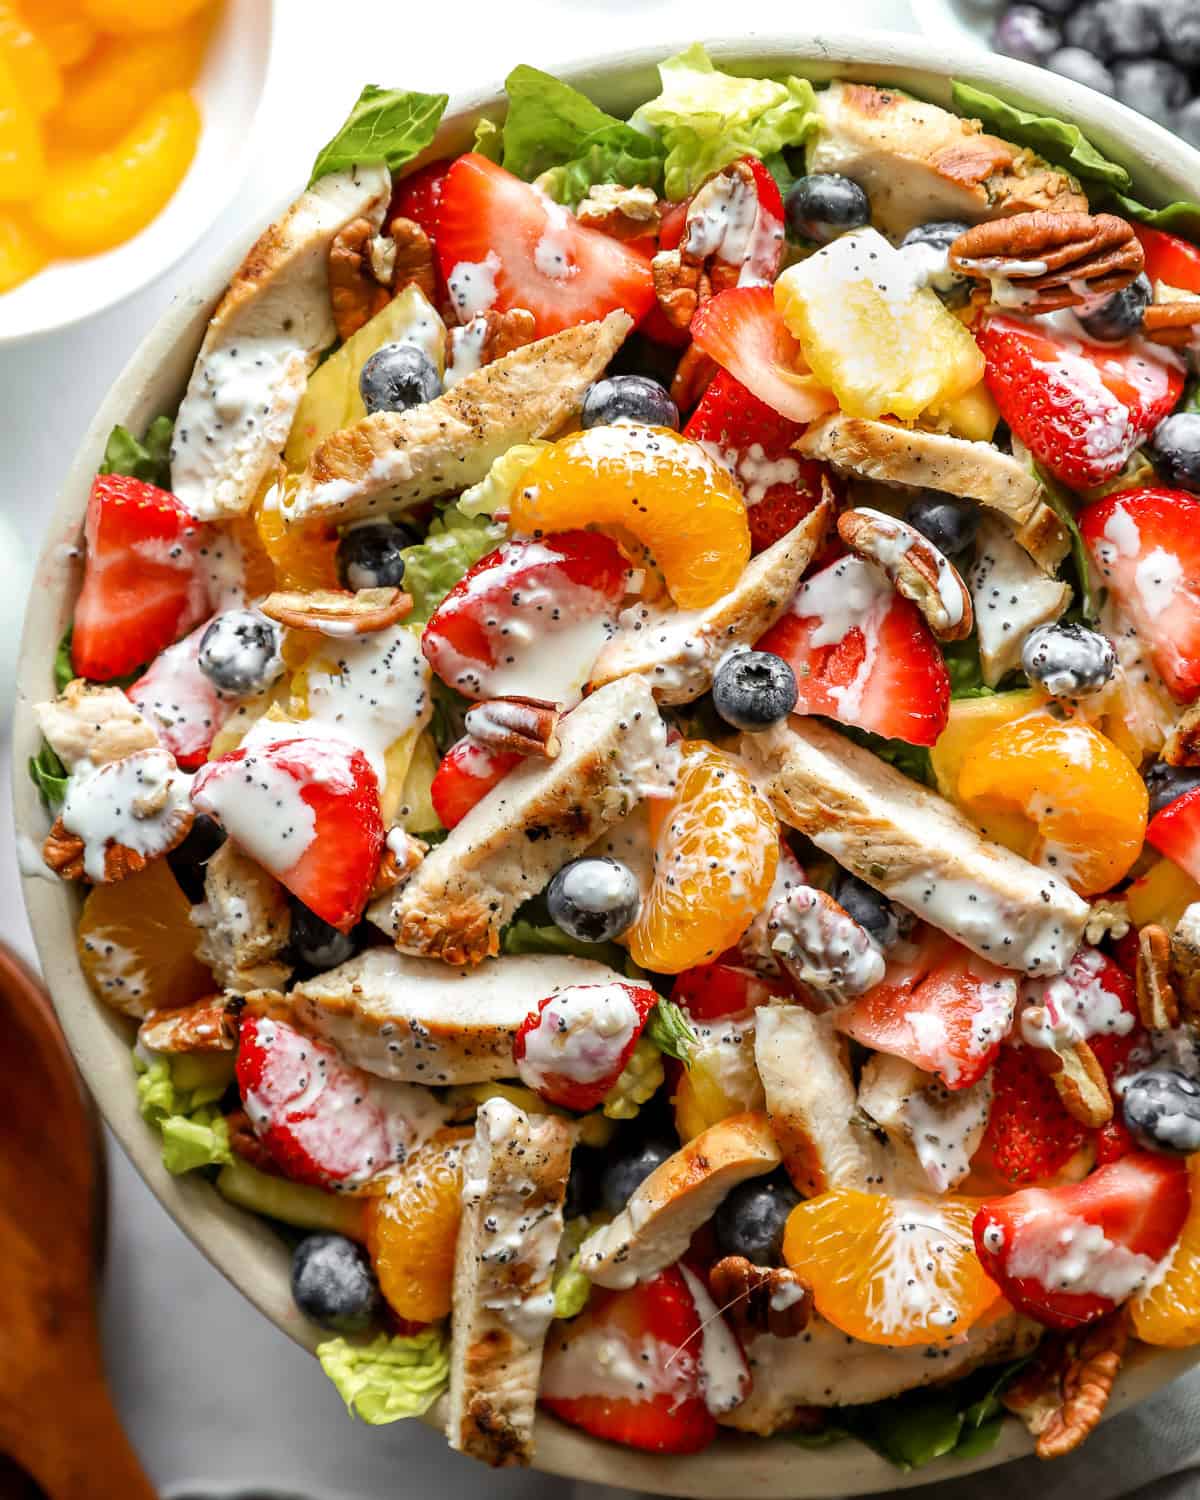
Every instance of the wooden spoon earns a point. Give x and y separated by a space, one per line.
57 1420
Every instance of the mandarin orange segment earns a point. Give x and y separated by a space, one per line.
137 944
31 60
22 156
1167 1312
60 24
304 556
1085 799
899 1271
716 849
90 203
412 1228
22 253
129 17
663 488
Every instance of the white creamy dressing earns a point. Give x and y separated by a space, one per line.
822 946
465 351
946 1127
1077 1258
848 595
724 1052
552 253
31 862
608 1364
724 1374
137 802
994 999
1057 1013
931 265
472 285
222 569
755 473
755 944
905 1292
180 702
1157 578
725 220
583 1034
893 544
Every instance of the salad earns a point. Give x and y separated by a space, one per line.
631 750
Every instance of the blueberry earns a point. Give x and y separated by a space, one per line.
1120 315
753 689
1175 448
948 522
1187 123
625 1174
333 1284
396 377
1154 88
1082 67
1027 33
314 942
594 899
1166 784
628 398
370 557
239 652
1181 31
1069 661
886 923
187 860
932 242
1162 1110
823 205
1115 28
752 1219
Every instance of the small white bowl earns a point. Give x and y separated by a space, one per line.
230 89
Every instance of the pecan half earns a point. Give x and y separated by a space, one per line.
1059 259
402 854
680 284
144 787
1172 323
1158 1005
413 261
244 1143
1077 1075
623 213
337 612
521 726
914 566
1185 960
693 374
1182 747
485 338
205 1026
760 1299
1109 917
1061 1396
353 290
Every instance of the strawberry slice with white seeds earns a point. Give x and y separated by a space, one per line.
308 811
574 1046
502 243
863 655
741 330
325 1123
529 619
181 703
1069 1255
1145 546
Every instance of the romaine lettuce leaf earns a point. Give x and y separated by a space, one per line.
389 1378
64 667
571 1287
193 1134
495 490
965 669
453 544
1062 503
149 460
670 1031
385 125
49 775
706 118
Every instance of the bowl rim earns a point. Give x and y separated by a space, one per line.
249 1254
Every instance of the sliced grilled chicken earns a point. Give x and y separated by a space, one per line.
811 1101
514 1182
205 1026
897 455
934 1131
677 651
245 923
906 841
392 460
826 1367
919 162
273 322
415 1020
1012 596
507 848
93 724
655 1226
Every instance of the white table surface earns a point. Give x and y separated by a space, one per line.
211 1393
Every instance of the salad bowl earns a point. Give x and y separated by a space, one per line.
239 1244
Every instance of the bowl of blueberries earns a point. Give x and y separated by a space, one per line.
1143 53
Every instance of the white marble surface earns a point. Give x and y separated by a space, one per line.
211 1393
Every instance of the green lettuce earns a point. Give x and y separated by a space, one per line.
193 1133
527 935
49 775
453 544
495 490
965 669
1062 503
386 125
389 1378
706 118
149 460
556 134
913 760
571 1287
668 1028
64 667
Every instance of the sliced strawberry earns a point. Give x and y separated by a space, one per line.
863 655
141 590
529 619
323 1122
419 196
1080 408
741 330
736 225
945 1010
467 773
1029 1132
1175 832
496 231
754 443
716 991
1170 259
647 1391
573 1046
181 703
308 811
1113 1141
1145 545
1068 1255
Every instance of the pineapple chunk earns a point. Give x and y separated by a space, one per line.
1161 895
879 340
331 400
973 415
970 720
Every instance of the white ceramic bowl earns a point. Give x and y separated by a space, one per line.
239 1244
230 89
